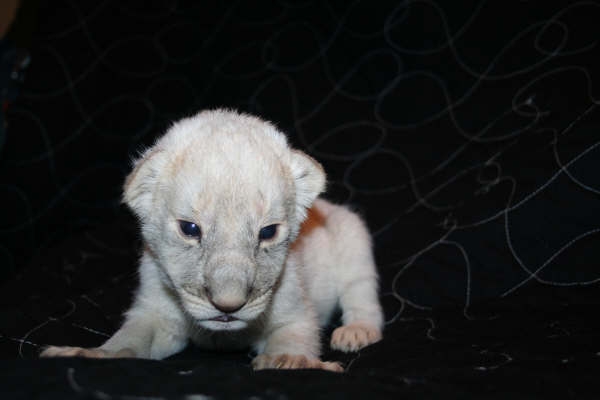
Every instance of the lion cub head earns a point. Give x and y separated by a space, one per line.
220 197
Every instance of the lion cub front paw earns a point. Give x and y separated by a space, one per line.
66 351
354 337
293 361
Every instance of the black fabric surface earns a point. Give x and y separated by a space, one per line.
466 133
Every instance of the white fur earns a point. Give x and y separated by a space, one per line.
233 174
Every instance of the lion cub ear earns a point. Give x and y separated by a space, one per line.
309 178
141 183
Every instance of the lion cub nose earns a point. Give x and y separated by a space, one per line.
228 305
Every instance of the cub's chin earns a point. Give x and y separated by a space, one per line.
223 323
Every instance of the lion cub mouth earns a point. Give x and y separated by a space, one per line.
223 318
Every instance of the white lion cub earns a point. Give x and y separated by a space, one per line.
240 252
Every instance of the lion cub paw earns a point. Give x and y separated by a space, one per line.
289 361
354 337
66 351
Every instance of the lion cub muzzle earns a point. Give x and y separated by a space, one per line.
228 301
228 285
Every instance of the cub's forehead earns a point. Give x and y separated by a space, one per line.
225 157
228 158
224 140
219 124
216 185
247 172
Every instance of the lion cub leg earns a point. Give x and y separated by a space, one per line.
357 289
141 336
294 346
146 332
361 315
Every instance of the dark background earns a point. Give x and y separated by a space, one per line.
466 133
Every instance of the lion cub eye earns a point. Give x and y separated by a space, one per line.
268 232
190 229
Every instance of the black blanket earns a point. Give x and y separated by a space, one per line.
466 133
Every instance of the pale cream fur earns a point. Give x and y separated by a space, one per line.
233 174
